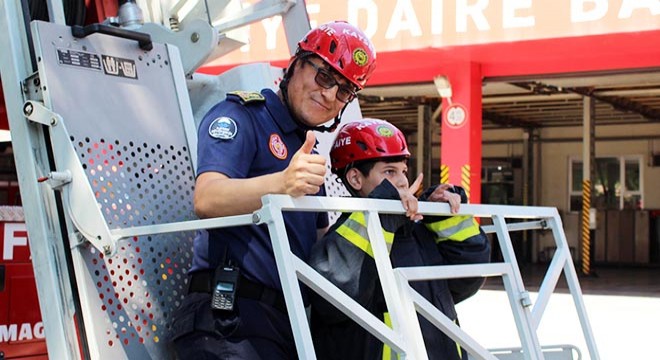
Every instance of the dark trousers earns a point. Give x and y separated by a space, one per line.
253 330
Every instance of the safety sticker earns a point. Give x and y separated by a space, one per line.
277 147
385 131
223 128
360 57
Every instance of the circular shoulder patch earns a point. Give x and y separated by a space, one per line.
223 128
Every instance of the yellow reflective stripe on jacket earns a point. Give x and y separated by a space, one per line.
354 229
388 354
456 228
460 352
458 346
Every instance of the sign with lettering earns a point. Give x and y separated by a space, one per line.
395 25
14 242
21 332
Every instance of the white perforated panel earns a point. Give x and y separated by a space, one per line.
139 184
333 186
124 118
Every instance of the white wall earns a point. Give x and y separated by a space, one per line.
556 155
560 144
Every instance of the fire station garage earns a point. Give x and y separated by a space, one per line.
508 99
532 149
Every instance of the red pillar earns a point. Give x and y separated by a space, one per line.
461 130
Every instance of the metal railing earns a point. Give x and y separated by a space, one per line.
403 302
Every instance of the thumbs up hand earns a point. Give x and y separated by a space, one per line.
306 171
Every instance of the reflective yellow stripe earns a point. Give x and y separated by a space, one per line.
458 347
463 234
354 229
456 228
355 238
448 223
387 350
358 217
389 239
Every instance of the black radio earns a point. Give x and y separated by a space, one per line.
224 289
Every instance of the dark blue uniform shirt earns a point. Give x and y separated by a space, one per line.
244 138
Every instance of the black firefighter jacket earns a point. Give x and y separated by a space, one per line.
344 257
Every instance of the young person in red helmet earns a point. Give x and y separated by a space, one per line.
370 157
252 144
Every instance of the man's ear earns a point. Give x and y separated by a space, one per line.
354 178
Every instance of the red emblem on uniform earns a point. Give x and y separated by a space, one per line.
277 147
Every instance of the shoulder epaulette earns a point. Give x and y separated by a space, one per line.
245 97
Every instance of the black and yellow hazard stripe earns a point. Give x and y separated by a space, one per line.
465 179
444 174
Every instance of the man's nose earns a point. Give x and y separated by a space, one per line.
331 93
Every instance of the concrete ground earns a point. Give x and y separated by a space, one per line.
625 322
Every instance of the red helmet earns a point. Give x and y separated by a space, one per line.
344 47
366 139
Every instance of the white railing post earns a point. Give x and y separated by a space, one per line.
518 296
574 287
271 215
399 305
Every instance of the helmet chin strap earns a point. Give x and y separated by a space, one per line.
349 188
335 123
284 88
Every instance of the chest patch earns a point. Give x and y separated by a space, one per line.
223 128
277 147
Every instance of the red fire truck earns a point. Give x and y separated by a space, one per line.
21 329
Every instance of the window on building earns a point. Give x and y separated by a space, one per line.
497 183
617 183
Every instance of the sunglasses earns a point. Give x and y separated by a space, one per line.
326 80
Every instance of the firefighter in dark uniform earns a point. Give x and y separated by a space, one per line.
252 144
370 157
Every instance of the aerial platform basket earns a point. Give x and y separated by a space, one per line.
117 194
